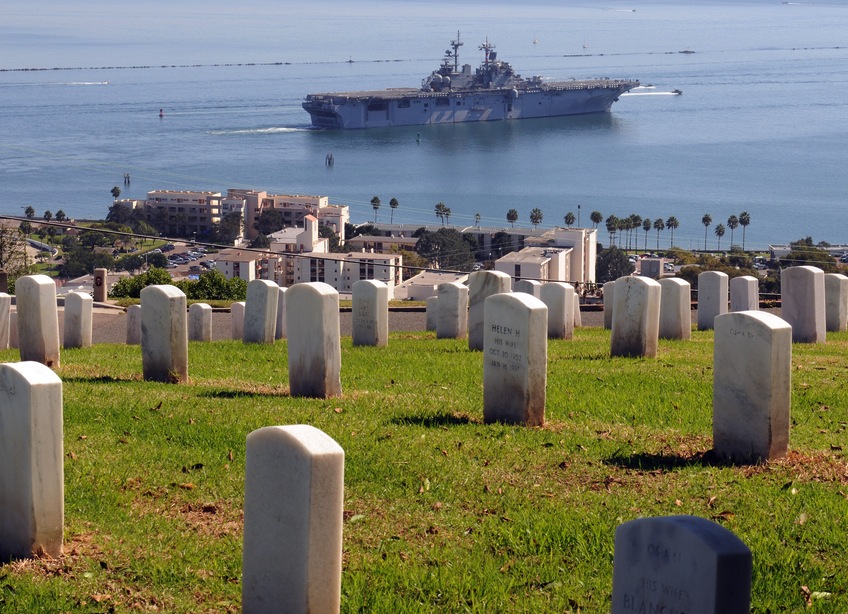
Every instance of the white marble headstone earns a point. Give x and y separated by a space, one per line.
32 491
752 374
802 303
559 299
609 301
712 297
134 325
680 564
13 330
452 321
79 312
293 507
200 322
744 293
635 317
314 343
578 318
237 319
164 334
370 313
482 285
280 330
432 313
675 309
5 320
38 319
260 311
836 302
528 286
515 359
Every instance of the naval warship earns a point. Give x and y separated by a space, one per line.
453 94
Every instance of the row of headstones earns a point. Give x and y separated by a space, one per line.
34 325
293 515
812 302
457 309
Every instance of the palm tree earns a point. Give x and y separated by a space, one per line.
671 223
658 226
477 217
512 217
612 227
536 217
393 203
375 203
732 223
29 212
646 226
440 211
744 220
635 224
719 232
706 221
569 219
447 215
597 217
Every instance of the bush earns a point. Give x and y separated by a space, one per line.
131 287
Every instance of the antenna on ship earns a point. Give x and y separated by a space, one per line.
456 45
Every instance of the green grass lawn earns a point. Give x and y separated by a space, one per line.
442 512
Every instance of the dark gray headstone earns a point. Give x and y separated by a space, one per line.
680 565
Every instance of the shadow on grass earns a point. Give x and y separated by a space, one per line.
437 421
669 462
101 379
241 394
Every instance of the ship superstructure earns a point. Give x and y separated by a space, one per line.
452 94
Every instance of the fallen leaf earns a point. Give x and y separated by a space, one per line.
437 505
711 501
678 502
338 410
230 456
98 597
187 486
157 408
72 456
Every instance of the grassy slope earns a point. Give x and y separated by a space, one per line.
443 513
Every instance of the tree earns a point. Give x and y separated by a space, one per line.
60 216
719 232
744 220
659 225
375 204
706 221
394 204
612 227
635 222
227 230
25 227
13 254
447 215
269 221
477 218
130 262
501 244
260 241
29 212
446 248
116 192
597 217
131 287
512 217
732 223
118 213
646 226
804 253
48 215
611 264
440 211
672 224
569 219
536 217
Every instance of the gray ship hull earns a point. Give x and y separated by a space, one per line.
412 107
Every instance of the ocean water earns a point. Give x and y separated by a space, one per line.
762 125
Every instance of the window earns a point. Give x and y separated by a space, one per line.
316 269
